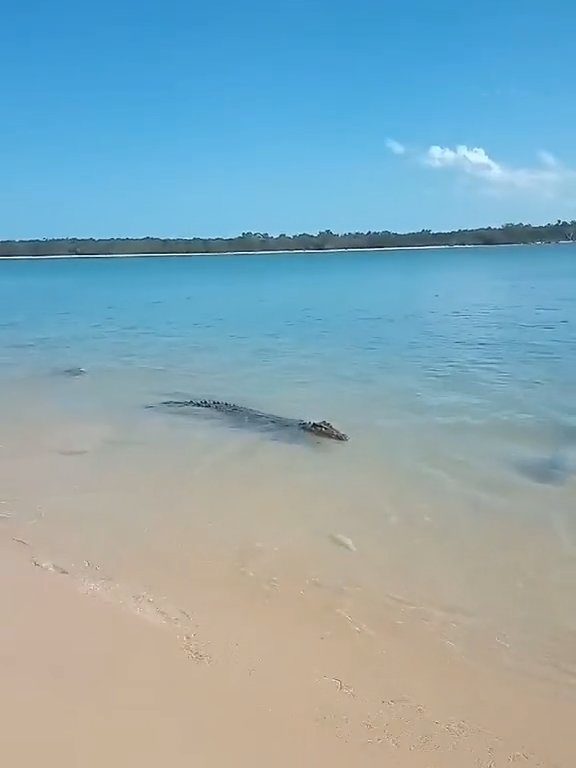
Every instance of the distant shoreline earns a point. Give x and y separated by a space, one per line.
324 241
195 254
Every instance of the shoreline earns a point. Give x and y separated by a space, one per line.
195 254
250 682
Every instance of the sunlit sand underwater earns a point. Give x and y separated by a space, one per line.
452 507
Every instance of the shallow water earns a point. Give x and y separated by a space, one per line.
452 370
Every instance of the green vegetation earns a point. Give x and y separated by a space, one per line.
248 242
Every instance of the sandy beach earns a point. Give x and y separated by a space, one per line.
179 590
93 677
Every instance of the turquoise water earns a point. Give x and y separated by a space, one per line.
452 370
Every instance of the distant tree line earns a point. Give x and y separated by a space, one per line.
249 242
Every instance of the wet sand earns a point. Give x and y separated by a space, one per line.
96 676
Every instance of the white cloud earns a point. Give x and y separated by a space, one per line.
547 177
548 159
473 160
395 147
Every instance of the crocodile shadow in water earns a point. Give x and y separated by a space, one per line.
559 465
240 416
555 469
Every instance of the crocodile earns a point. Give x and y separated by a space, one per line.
260 418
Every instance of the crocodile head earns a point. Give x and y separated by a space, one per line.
323 429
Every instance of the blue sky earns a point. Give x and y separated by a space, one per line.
185 118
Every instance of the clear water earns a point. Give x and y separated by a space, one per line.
452 370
